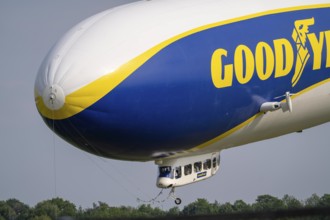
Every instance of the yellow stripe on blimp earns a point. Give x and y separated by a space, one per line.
250 120
91 93
94 91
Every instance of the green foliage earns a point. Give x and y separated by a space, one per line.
226 208
147 211
46 208
54 208
241 206
103 210
313 201
173 212
325 200
6 211
291 203
100 210
268 203
13 209
22 211
200 207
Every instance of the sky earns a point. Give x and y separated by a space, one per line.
36 165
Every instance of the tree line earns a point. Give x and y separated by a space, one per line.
13 209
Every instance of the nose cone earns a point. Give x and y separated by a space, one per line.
53 97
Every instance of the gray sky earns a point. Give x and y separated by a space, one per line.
35 165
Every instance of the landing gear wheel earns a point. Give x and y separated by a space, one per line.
177 201
172 195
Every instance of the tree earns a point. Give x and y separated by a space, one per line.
173 212
241 206
22 210
325 200
6 211
46 208
199 207
65 207
267 203
313 201
124 212
101 210
13 209
147 211
55 208
157 212
226 208
291 202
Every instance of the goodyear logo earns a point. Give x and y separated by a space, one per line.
200 175
275 59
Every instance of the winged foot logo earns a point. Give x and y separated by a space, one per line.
272 59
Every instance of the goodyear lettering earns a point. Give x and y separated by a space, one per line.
283 50
327 38
220 79
276 59
266 62
200 175
299 35
243 55
317 46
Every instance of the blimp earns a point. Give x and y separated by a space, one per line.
176 82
